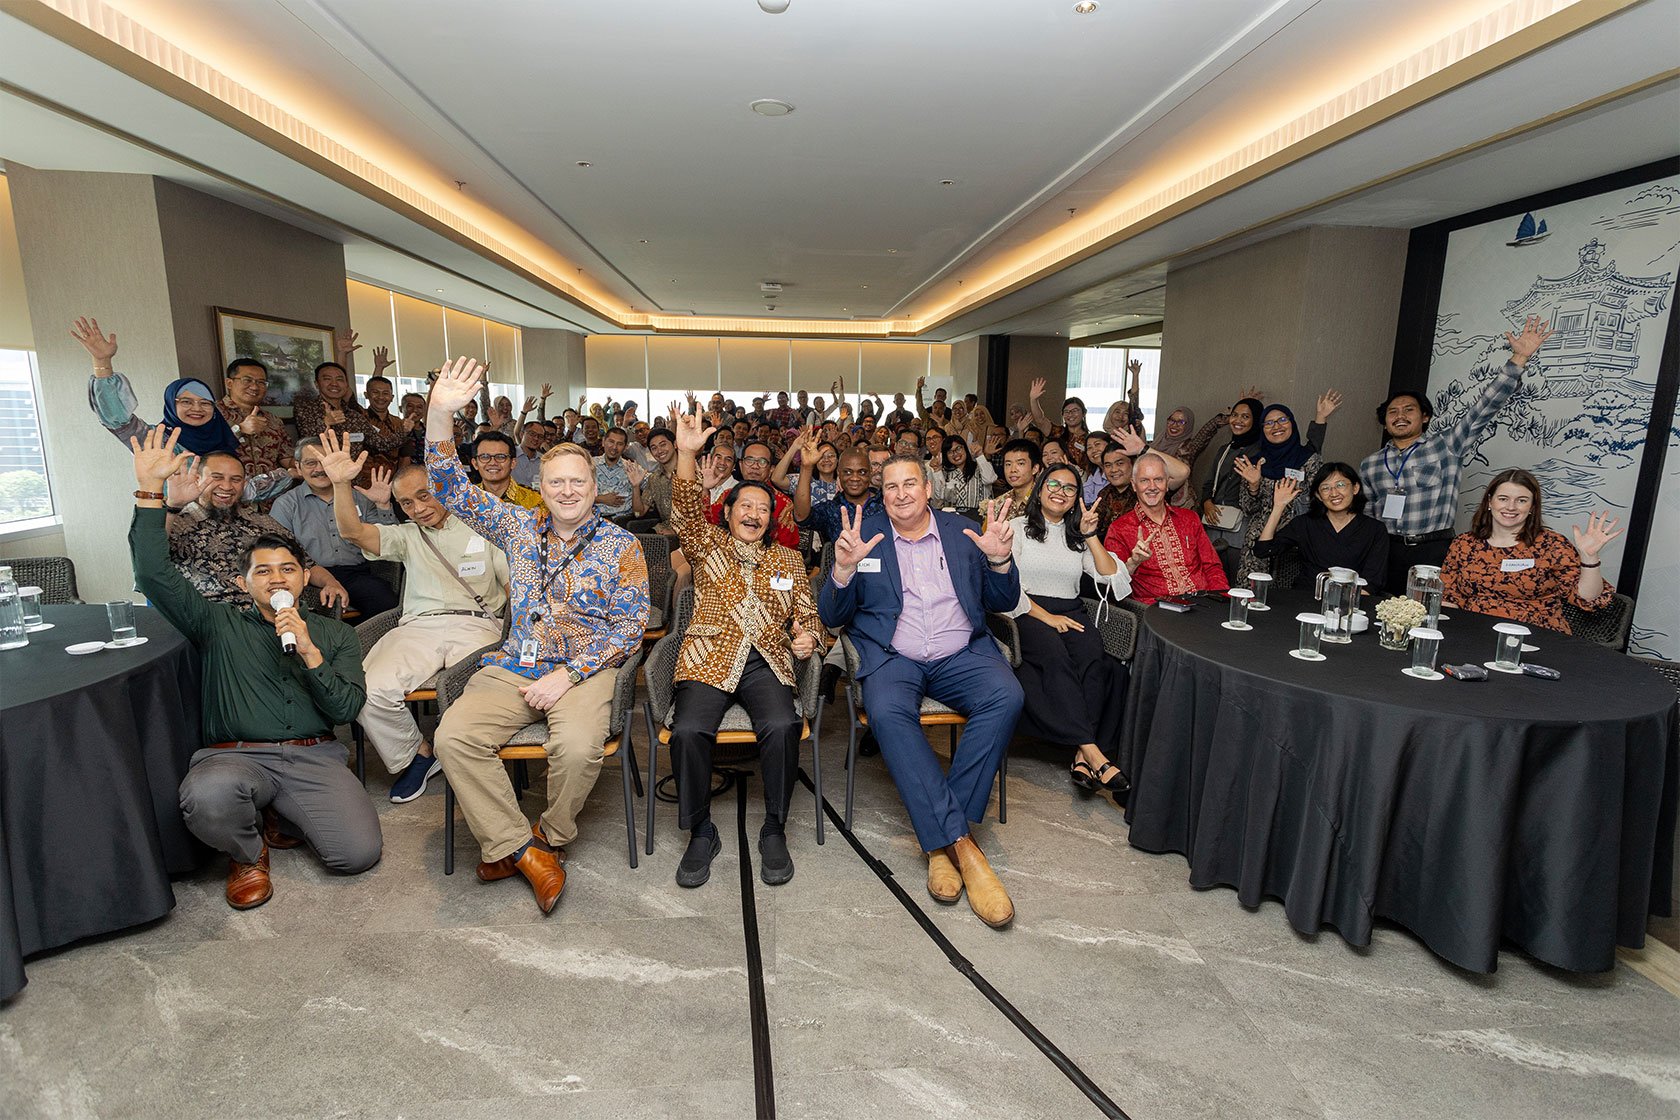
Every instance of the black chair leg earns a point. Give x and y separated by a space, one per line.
1003 790
653 773
448 828
630 757
627 764
816 769
851 755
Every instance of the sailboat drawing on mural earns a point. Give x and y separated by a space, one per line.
1528 233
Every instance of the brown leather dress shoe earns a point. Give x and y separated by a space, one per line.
504 867
248 884
945 883
986 895
546 876
272 836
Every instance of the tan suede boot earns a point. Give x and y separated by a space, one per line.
986 895
945 884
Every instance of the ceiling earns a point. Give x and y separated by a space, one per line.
1085 153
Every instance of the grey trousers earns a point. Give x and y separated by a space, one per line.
225 791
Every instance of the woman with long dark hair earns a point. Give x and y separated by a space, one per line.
1509 564
1075 694
960 481
1334 533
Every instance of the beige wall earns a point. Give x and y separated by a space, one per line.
1309 311
965 367
1034 356
556 358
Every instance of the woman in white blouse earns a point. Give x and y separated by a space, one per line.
961 481
1075 694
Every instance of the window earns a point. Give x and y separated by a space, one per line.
1097 375
25 492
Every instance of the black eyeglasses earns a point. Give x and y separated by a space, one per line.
491 458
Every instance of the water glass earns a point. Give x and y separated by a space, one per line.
1426 642
1312 632
1261 584
121 614
30 597
1239 597
1507 649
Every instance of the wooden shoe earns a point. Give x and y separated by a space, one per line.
544 873
945 883
986 895
504 867
248 884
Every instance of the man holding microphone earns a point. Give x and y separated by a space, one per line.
276 684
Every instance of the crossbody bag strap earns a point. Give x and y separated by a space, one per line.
456 572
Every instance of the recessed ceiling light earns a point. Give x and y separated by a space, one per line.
892 250
584 163
440 289
1085 7
643 241
864 286
947 182
770 107
773 7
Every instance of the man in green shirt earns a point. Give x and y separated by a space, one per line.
268 714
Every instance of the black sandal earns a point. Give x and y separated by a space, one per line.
1117 784
1083 777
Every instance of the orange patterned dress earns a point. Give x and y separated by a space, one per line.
1526 583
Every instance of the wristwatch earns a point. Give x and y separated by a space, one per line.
575 676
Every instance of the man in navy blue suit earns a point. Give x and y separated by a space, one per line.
916 611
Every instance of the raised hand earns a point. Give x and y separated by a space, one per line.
346 346
691 436
634 470
804 643
378 489
255 423
186 484
693 401
1601 530
338 464
849 547
381 359
1249 470
1284 492
155 458
100 348
1036 390
1328 402
456 385
1251 391
1524 345
920 381
1136 368
1088 521
1140 553
547 391
998 541
810 441
530 404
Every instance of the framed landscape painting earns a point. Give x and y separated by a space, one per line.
291 351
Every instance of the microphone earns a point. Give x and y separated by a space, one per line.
280 600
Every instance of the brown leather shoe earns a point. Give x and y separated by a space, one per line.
986 895
272 836
504 867
248 884
944 882
546 876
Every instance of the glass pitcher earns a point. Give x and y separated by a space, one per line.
1423 583
1338 598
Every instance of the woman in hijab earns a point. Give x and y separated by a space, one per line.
1182 440
1282 455
1221 508
189 407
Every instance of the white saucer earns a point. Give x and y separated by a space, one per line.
1236 625
82 649
129 643
1258 607
1501 669
40 626
1421 674
1307 656
1526 648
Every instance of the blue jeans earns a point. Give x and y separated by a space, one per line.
978 685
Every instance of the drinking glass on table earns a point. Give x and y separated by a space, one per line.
30 597
1312 632
1261 584
121 615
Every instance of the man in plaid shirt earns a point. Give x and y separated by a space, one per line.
1413 478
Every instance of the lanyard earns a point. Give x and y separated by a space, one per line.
565 562
1404 459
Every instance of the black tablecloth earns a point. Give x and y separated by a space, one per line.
92 750
1539 811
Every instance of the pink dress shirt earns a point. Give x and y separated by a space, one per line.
933 623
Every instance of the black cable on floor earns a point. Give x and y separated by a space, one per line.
963 965
764 1081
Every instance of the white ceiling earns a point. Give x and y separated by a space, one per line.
1029 108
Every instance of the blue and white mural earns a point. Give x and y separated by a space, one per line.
1601 270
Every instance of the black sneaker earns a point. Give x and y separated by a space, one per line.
830 677
775 865
868 747
696 865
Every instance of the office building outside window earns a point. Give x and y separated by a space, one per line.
25 491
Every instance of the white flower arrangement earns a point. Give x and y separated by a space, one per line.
1402 612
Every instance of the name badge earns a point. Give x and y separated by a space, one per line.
1394 505
869 564
354 437
1295 473
475 546
785 583
1516 565
470 568
528 652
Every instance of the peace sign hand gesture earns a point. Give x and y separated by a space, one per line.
849 547
998 541
1601 530
1088 521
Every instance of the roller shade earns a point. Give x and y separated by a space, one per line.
466 338
502 349
419 335
758 363
370 318
817 364
890 368
613 361
683 363
15 330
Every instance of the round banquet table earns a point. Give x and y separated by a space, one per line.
92 750
1539 811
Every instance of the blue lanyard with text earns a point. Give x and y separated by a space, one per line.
1395 474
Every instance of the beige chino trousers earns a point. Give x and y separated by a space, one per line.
489 711
408 656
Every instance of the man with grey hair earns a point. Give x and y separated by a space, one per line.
306 512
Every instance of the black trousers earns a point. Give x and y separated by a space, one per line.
1075 692
700 709
1401 557
368 593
